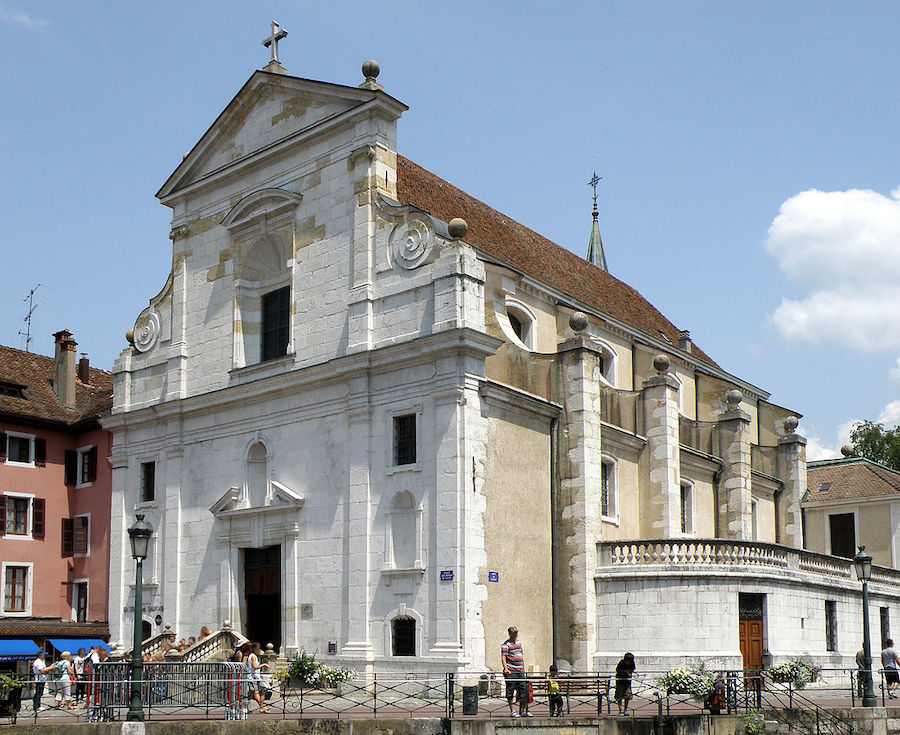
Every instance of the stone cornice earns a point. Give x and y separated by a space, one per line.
514 399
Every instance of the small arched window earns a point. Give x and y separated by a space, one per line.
606 362
257 475
522 324
403 636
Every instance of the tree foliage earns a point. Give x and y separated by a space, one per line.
874 441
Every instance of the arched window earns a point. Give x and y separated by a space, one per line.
403 531
609 500
257 475
607 362
403 636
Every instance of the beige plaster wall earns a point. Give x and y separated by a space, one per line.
628 521
765 509
814 540
874 530
704 509
688 391
517 538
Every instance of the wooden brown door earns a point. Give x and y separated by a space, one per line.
751 636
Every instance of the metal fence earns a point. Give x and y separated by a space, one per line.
222 691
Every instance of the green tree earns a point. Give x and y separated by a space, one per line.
874 441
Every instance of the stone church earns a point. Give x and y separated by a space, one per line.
370 416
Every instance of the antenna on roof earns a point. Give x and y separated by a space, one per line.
31 307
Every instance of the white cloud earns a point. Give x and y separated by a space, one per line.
816 450
21 18
845 247
890 414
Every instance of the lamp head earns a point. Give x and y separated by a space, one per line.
862 562
140 534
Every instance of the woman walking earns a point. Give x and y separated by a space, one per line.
624 672
64 683
254 678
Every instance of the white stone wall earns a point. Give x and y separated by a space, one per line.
672 617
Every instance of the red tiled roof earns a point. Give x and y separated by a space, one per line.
525 250
846 479
36 373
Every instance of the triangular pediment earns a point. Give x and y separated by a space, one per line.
279 498
269 109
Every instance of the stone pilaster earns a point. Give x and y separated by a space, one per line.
792 470
735 482
359 510
660 402
576 512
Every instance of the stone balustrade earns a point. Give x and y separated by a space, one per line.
724 552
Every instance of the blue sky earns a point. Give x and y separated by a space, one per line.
713 126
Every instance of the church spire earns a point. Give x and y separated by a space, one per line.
595 244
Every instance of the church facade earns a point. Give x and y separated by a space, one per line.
369 416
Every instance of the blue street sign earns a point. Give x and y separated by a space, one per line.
446 575
493 576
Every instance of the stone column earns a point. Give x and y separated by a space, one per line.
735 481
660 402
792 471
577 509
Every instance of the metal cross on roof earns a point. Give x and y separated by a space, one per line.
272 41
593 183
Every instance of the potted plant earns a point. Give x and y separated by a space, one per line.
797 673
10 696
305 672
697 683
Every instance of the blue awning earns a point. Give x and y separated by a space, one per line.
73 644
14 649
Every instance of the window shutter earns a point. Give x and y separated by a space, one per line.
71 467
67 533
80 537
92 464
40 452
2 515
2 446
37 518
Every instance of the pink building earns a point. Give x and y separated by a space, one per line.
55 489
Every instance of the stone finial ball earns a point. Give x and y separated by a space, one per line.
791 423
129 336
371 69
661 363
848 450
578 321
457 227
733 398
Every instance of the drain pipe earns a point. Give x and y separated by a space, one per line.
554 485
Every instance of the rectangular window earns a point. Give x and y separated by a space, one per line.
79 602
687 509
830 625
14 589
405 439
148 482
842 528
608 489
19 448
17 516
276 323
87 466
754 520
885 624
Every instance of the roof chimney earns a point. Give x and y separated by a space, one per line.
84 369
684 340
64 377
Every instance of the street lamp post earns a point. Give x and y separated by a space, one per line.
139 535
863 564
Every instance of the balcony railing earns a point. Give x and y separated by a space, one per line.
700 435
622 408
723 552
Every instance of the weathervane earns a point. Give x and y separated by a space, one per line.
278 33
593 184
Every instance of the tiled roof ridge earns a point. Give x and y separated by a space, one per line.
530 252
36 373
835 461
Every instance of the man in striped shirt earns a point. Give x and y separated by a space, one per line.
513 659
